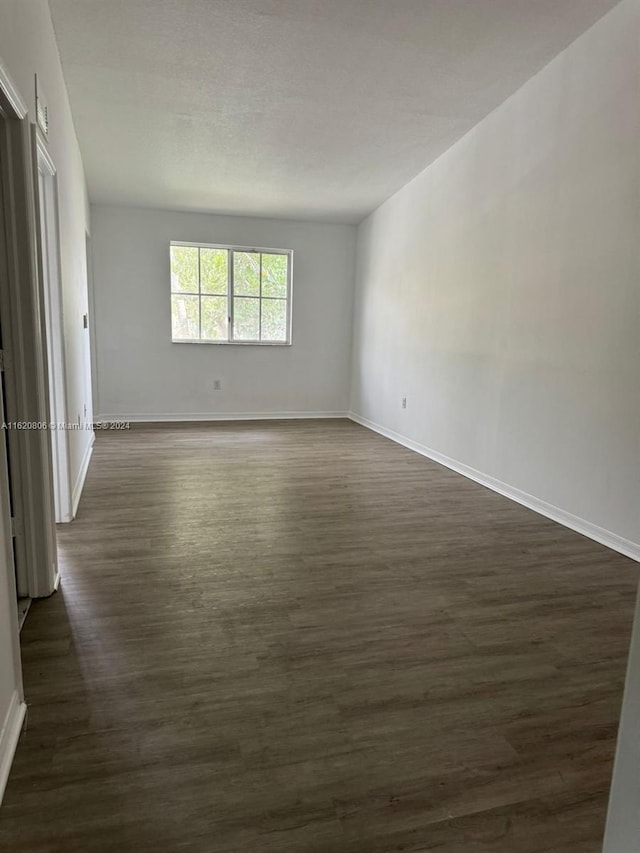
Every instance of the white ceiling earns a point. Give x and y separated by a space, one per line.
311 109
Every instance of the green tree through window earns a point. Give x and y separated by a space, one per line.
222 294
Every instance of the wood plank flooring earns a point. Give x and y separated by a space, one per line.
300 637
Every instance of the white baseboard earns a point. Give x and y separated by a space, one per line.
574 522
163 417
9 736
82 474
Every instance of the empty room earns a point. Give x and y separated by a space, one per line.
320 471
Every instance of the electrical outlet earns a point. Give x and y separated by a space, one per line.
404 402
217 385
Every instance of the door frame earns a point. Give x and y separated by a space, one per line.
25 367
50 274
11 109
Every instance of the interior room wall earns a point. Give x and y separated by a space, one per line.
498 292
28 47
142 375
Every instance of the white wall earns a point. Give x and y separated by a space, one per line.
500 292
141 374
27 47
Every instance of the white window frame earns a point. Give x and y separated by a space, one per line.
231 249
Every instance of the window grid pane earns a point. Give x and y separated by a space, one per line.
246 324
246 273
232 290
274 320
185 317
260 325
184 269
274 275
214 271
209 303
214 311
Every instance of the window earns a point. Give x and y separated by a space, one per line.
230 295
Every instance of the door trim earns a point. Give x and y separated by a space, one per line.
21 301
48 239
14 103
11 107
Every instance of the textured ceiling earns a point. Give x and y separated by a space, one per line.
311 109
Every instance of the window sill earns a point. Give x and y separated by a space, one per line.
236 343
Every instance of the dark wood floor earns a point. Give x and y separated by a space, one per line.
301 637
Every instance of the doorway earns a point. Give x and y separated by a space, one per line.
8 498
23 336
12 705
53 318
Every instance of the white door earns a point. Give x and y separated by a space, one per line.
47 191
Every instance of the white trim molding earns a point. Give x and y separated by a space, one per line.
567 519
82 475
43 154
9 736
51 277
154 417
11 93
